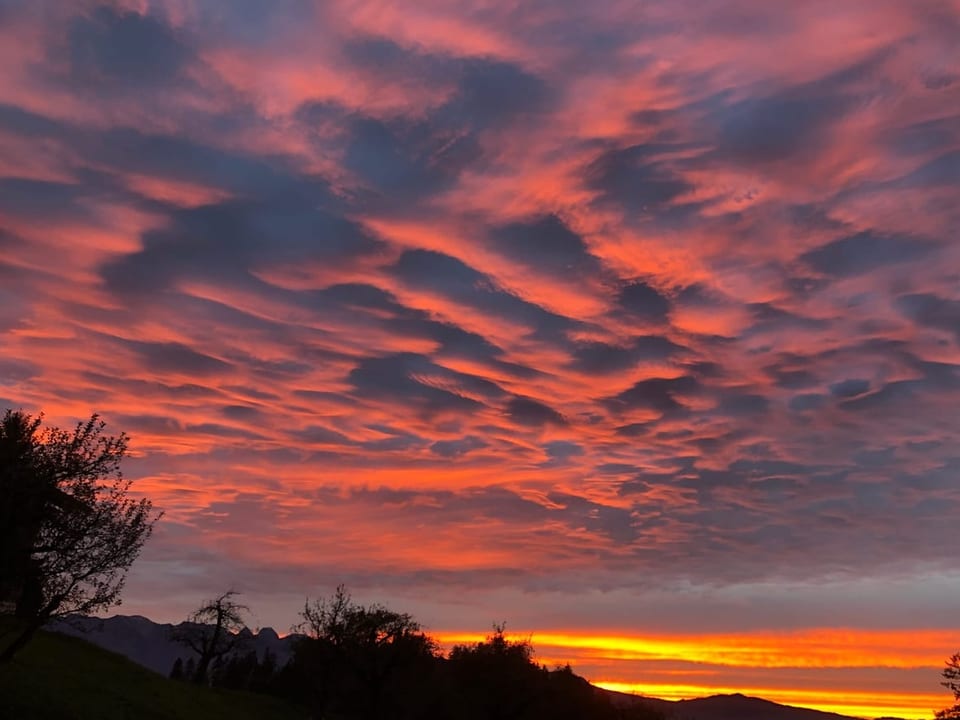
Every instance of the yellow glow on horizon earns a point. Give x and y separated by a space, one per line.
815 648
857 703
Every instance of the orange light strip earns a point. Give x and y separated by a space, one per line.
818 648
857 703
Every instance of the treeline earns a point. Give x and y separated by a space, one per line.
355 662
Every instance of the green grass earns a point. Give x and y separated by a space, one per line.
65 678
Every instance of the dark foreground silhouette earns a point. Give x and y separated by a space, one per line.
57 677
153 645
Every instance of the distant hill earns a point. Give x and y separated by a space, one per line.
57 677
742 707
731 707
152 645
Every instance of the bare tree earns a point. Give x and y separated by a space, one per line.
951 681
68 529
213 631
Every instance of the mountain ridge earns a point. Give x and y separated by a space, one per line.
734 706
152 645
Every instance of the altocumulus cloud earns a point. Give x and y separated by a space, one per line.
444 278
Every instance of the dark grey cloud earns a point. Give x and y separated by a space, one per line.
863 252
776 127
927 136
600 358
445 507
644 301
18 121
884 457
362 302
452 339
281 370
655 394
397 159
393 440
402 161
155 390
321 435
225 241
457 281
614 522
942 171
929 382
932 311
177 358
111 47
548 246
178 157
492 92
384 57
615 468
253 24
228 432
118 150
850 388
356 295
41 199
529 412
398 378
16 371
459 447
243 413
636 179
739 404
768 318
560 451
135 423
784 124
485 92
790 377
886 397
638 429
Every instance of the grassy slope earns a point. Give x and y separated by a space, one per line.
64 678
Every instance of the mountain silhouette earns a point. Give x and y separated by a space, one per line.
731 707
153 646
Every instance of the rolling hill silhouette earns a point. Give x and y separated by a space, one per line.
732 707
152 645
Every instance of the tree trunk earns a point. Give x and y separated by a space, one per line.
206 657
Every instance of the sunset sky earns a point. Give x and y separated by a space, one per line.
635 325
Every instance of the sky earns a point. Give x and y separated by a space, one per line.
635 325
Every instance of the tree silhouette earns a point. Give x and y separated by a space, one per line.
360 661
498 679
498 676
212 631
246 671
68 529
951 681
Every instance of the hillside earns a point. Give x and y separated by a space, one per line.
731 707
61 676
65 678
153 645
